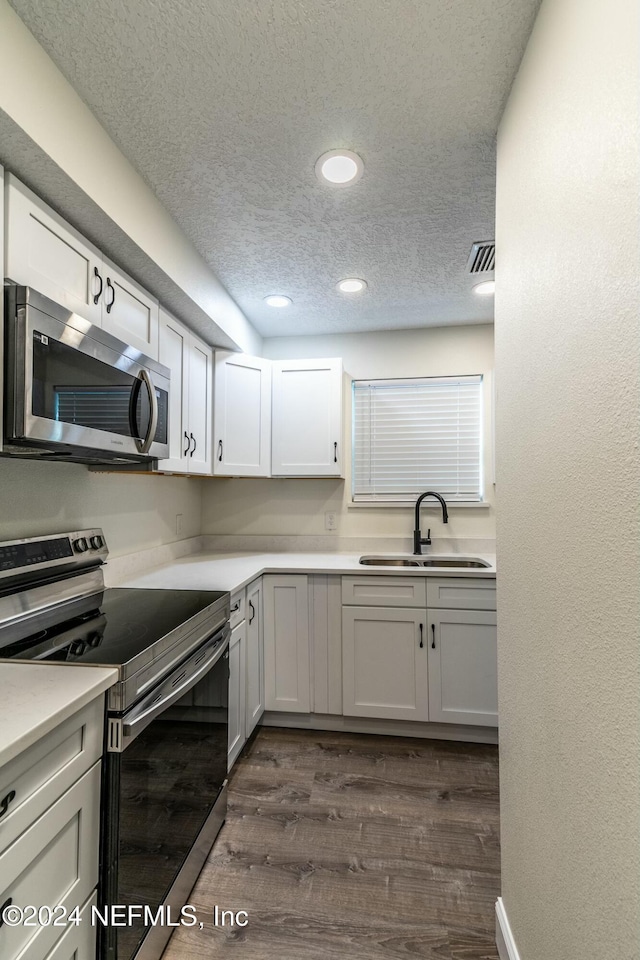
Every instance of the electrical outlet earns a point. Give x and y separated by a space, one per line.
179 524
330 521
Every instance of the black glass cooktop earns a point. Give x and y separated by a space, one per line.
124 623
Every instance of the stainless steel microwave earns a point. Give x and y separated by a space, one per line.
74 392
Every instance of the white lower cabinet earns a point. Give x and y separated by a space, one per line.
384 663
54 862
286 643
254 657
463 683
78 942
237 691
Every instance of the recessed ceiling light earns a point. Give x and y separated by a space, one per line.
339 167
351 285
485 289
276 300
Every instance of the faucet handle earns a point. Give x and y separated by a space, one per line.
427 541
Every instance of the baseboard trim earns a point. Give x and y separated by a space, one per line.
392 728
507 949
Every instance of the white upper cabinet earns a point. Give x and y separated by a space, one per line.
43 251
200 402
307 418
128 311
242 416
190 362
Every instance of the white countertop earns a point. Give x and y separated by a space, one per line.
231 571
37 697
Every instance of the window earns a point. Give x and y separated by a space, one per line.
415 435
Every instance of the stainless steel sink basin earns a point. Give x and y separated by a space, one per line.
457 562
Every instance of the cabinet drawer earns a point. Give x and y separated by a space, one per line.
77 942
384 591
456 593
237 608
35 779
54 862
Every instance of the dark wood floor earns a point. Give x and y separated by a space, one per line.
353 847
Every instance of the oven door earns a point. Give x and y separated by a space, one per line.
164 797
73 385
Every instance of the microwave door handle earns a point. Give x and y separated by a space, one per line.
153 406
137 724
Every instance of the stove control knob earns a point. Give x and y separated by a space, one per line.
96 542
93 640
80 545
78 648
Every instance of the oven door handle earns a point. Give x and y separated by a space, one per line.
131 728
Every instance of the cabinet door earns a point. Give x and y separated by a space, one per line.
43 251
200 399
174 354
129 312
255 656
78 942
463 685
242 416
307 418
384 663
237 692
286 643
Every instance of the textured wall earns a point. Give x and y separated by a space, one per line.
298 506
135 511
567 351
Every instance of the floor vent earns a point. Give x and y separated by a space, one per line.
482 258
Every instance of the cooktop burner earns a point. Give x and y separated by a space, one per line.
124 623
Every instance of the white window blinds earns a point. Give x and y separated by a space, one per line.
415 435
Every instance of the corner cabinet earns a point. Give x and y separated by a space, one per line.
242 416
307 418
286 643
190 362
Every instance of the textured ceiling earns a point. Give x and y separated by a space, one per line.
224 108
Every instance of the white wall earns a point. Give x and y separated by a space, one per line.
35 94
567 373
291 507
135 511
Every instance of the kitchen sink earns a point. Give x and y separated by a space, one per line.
457 562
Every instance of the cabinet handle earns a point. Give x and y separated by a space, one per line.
113 291
433 635
220 451
235 607
97 295
193 440
186 436
335 453
4 906
253 612
4 803
421 641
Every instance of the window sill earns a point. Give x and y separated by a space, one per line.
410 505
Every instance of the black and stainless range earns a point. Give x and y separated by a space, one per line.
165 762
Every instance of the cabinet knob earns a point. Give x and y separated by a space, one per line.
433 635
97 295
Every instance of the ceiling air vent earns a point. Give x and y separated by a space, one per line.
482 258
